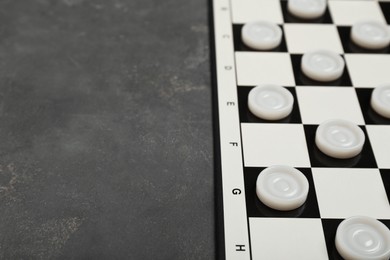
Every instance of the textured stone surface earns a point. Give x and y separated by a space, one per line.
105 131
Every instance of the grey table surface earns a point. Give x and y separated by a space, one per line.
106 146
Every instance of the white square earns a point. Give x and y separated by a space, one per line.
342 193
379 136
350 12
252 10
318 104
287 238
302 38
270 144
368 70
255 68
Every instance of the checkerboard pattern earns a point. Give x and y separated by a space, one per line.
338 188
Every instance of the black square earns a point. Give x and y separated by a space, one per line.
240 46
255 208
370 116
365 159
385 174
350 47
289 18
386 10
247 117
386 222
301 79
330 228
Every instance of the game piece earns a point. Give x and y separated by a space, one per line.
363 238
261 35
270 102
380 100
282 187
322 65
339 138
370 35
307 9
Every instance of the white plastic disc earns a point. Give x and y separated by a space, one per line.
339 138
282 187
307 9
322 65
370 35
380 100
261 35
270 102
363 238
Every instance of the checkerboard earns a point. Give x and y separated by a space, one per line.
245 144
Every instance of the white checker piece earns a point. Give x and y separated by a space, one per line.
322 65
352 194
282 187
318 104
380 100
307 9
340 139
270 102
349 12
302 38
295 239
261 35
370 34
379 136
363 238
274 144
255 68
368 70
252 10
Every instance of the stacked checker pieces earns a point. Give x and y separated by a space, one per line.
279 131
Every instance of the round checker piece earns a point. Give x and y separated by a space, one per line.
339 138
282 187
307 9
370 35
380 100
270 102
322 65
363 238
261 35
